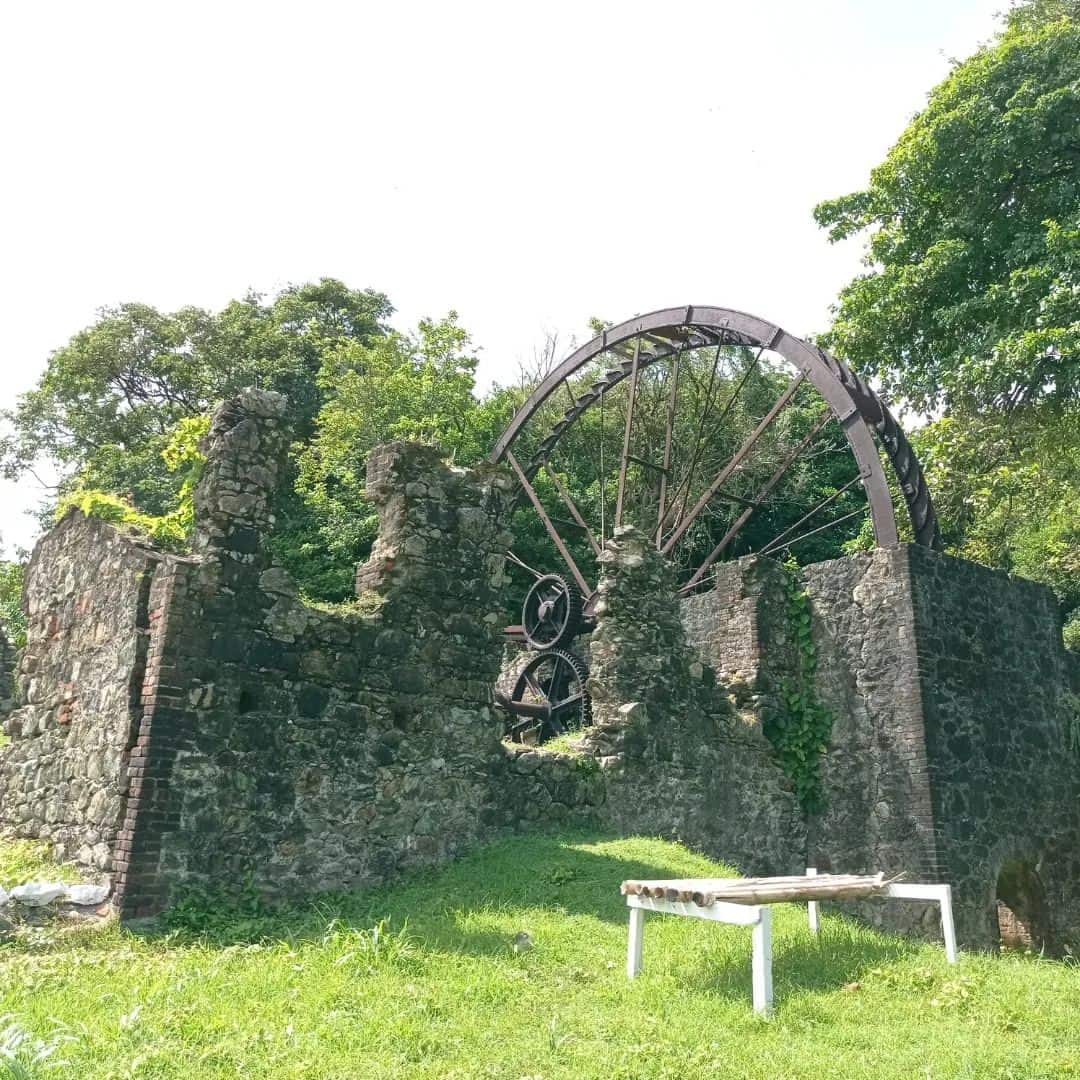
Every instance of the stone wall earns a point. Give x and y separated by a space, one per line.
63 775
305 750
878 814
947 684
537 787
679 758
1004 784
190 721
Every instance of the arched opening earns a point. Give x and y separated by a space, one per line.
1022 913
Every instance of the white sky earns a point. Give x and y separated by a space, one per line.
526 165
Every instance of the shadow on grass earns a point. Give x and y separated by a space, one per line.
842 954
542 872
538 870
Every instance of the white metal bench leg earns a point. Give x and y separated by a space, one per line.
633 948
762 961
938 894
948 927
811 905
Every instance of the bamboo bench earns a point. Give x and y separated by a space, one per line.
745 902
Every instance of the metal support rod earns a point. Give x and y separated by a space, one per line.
570 505
685 523
524 565
758 499
822 528
669 429
699 442
556 539
684 486
807 516
624 461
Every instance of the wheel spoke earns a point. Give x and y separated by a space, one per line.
624 461
686 521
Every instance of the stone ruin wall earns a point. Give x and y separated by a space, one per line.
79 681
949 689
189 721
997 689
680 759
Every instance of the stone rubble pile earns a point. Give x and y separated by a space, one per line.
43 893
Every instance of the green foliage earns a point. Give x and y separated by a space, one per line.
401 386
223 913
1007 491
23 1057
112 402
972 294
420 979
1072 723
29 860
12 617
164 530
970 304
171 531
1071 631
799 730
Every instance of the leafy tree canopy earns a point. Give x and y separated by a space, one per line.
109 401
972 292
969 308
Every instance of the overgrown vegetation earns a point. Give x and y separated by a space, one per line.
28 860
12 617
969 309
799 729
421 980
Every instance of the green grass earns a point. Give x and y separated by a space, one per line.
27 860
421 981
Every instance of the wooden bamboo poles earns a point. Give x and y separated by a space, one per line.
707 891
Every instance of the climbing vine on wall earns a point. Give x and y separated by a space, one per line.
799 729
1072 723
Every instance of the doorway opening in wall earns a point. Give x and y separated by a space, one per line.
1022 912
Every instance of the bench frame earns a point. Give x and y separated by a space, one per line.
759 918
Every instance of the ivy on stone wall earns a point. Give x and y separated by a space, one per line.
799 728
1072 722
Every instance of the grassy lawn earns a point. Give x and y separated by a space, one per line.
422 981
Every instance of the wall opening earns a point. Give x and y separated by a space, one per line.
1022 912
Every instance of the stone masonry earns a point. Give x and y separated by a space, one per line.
949 689
191 722
679 759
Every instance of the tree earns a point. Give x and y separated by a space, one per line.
12 618
401 386
970 305
108 401
972 294
112 402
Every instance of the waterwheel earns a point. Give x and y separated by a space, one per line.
716 433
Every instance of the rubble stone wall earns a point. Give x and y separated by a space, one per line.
680 759
63 774
995 686
191 721
306 750
949 690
